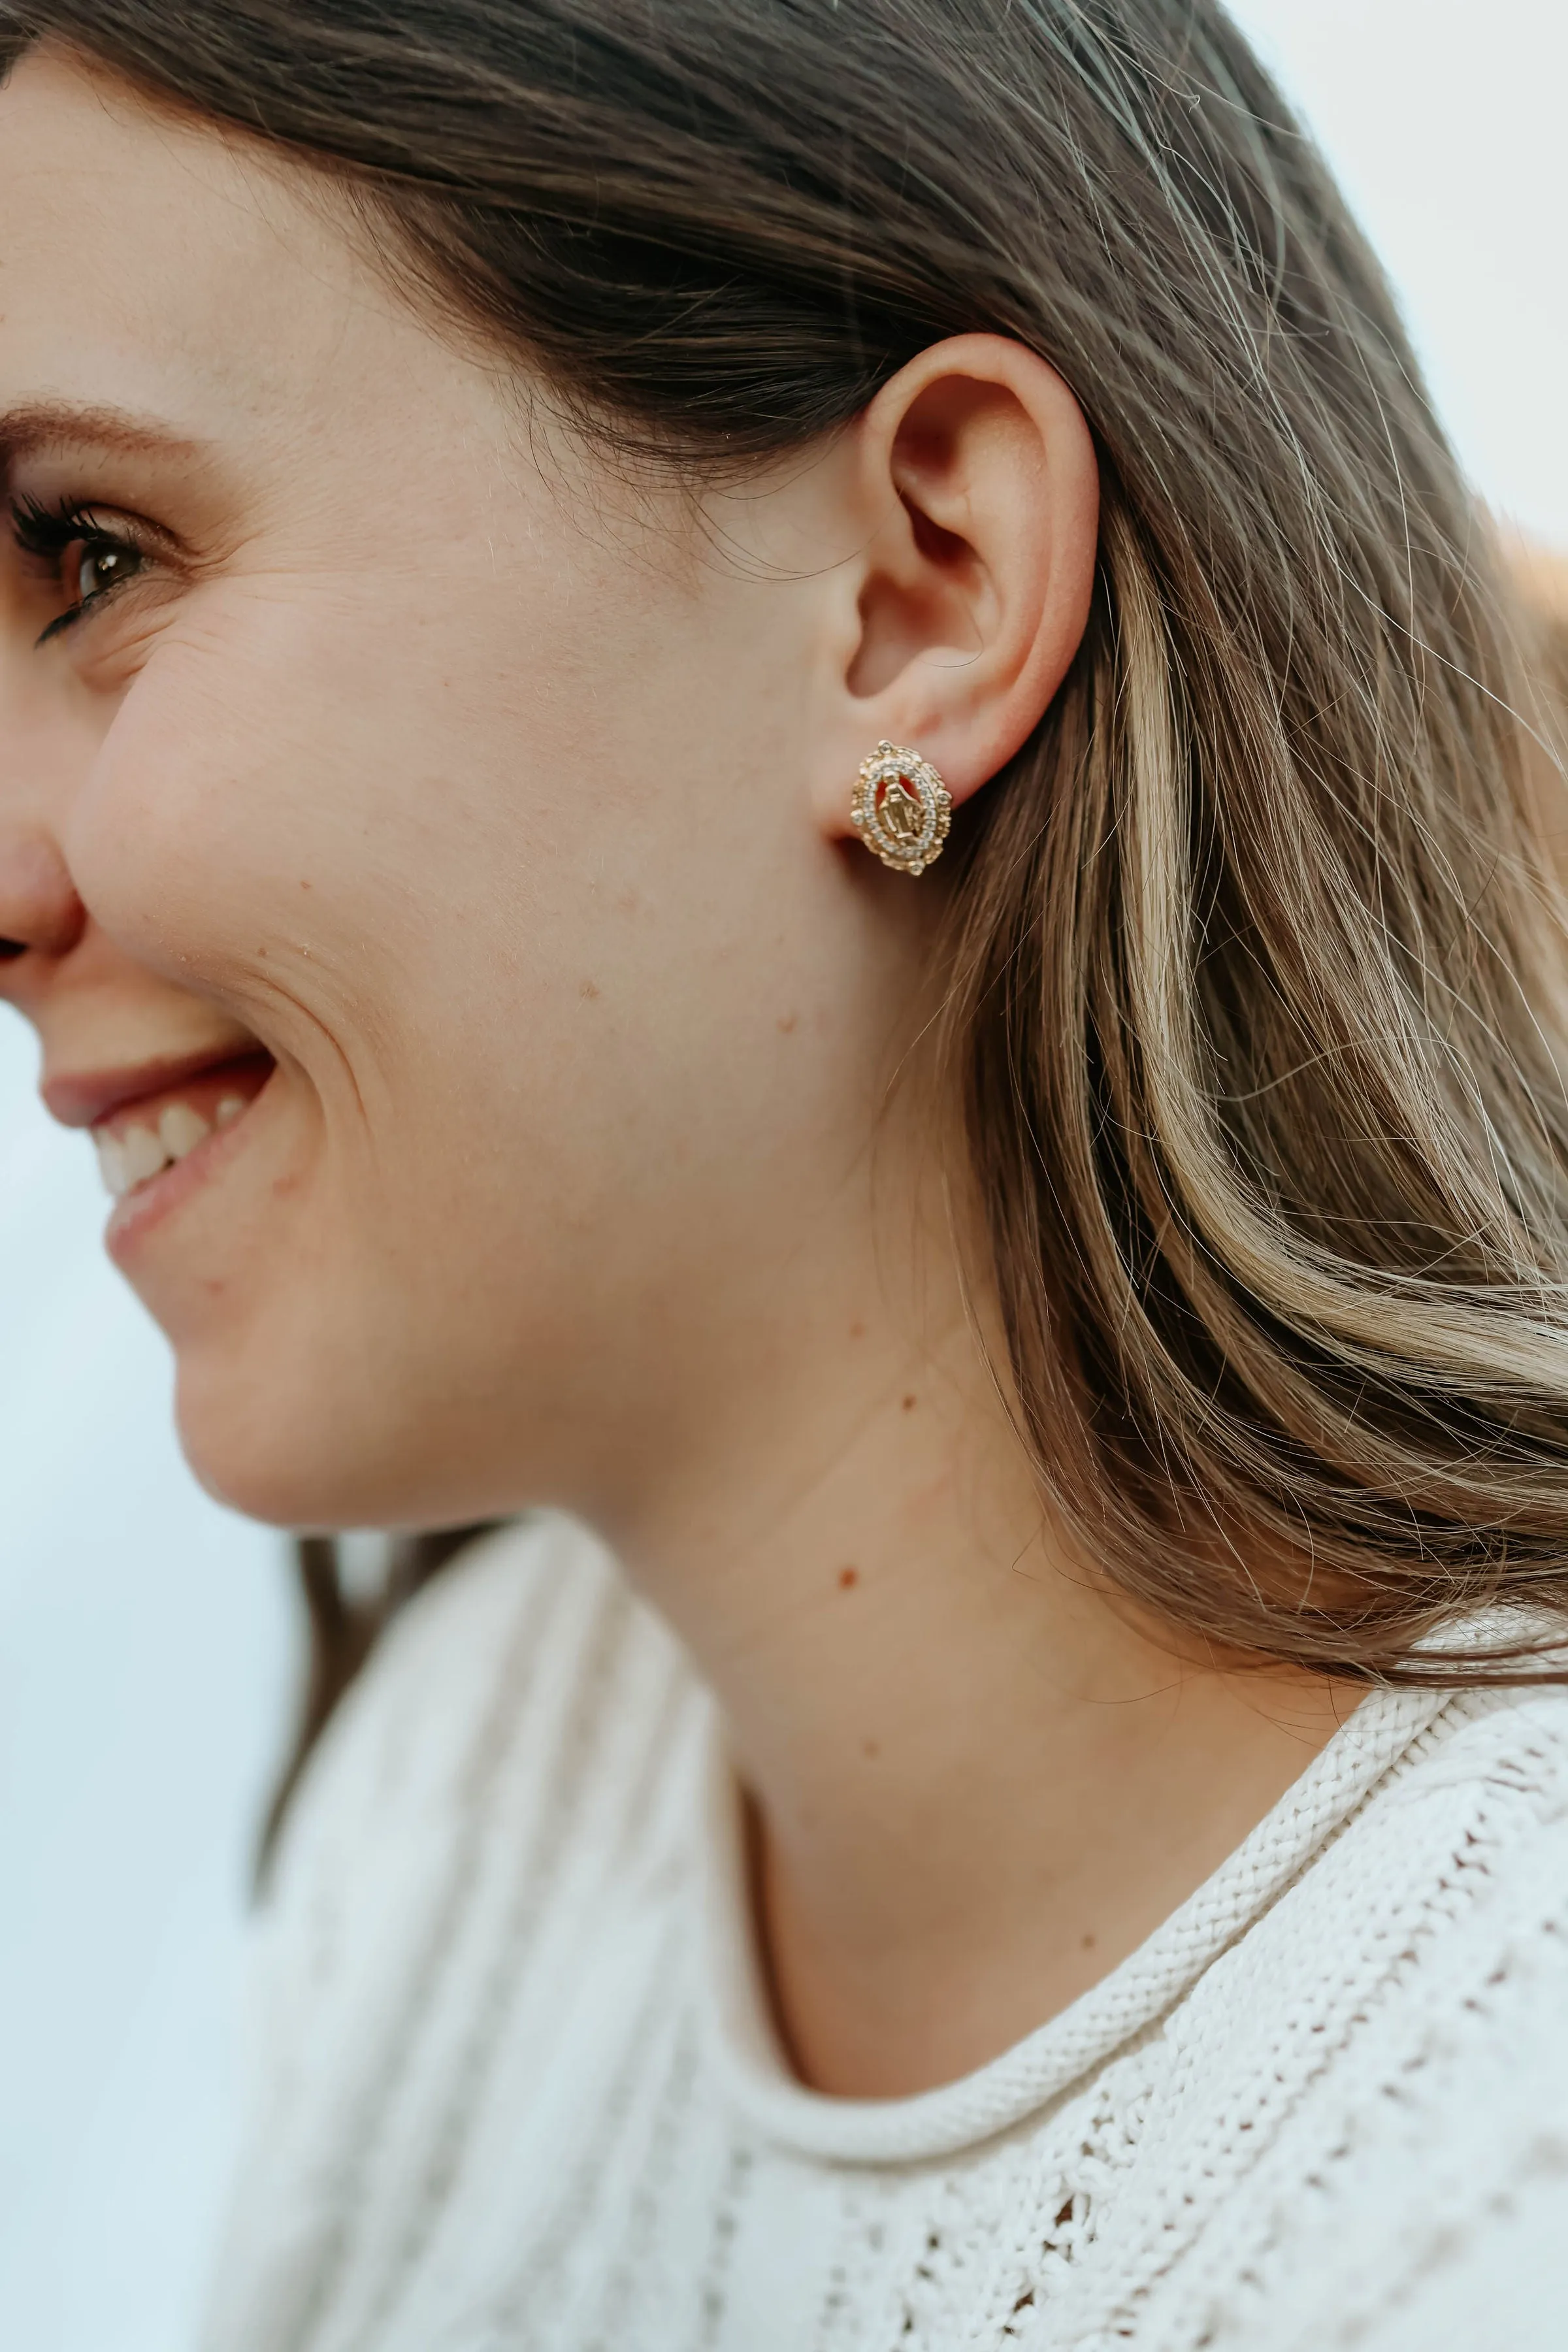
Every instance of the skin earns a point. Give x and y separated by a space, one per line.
504 800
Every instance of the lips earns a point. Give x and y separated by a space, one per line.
142 1138
93 1098
148 1118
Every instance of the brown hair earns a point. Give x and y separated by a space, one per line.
1255 965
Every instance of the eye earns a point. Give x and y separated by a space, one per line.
83 560
96 566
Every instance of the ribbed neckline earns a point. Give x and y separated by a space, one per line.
744 2047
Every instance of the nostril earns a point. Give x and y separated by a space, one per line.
39 908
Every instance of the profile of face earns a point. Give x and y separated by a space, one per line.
425 843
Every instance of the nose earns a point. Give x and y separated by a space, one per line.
46 746
41 916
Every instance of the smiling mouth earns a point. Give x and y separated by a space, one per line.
142 1137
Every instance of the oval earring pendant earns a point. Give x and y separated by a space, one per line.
901 809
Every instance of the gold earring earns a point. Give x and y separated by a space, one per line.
901 809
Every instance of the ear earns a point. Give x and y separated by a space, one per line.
977 495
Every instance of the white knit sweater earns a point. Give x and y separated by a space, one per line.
519 2092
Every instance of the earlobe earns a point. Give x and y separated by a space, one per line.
978 470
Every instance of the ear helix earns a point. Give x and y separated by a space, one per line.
900 809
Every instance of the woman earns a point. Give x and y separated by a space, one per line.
763 783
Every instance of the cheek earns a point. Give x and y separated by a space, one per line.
485 882
393 817
200 809
422 878
280 809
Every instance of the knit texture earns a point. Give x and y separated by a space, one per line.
518 2091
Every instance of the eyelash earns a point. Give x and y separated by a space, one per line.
50 532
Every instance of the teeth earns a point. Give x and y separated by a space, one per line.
112 1166
144 1155
181 1128
130 1158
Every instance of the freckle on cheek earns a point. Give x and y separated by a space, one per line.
848 1577
589 988
910 1404
788 1023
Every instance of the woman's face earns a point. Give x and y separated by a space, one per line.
409 840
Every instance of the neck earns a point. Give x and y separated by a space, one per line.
977 1780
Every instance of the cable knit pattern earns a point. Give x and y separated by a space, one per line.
519 2092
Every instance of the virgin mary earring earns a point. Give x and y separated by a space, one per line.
901 809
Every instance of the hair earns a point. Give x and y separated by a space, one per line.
1254 971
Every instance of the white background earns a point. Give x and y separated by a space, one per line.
145 1637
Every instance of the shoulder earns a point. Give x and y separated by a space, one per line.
1462 1820
1443 1900
1393 2042
524 1724
410 1718
503 1683
1468 1837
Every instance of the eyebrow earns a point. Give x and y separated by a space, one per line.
41 424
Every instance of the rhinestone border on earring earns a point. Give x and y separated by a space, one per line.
889 765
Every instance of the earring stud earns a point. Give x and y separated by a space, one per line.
901 809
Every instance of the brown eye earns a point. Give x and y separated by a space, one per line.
97 565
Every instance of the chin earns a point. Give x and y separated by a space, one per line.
280 1452
292 1448
263 1475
